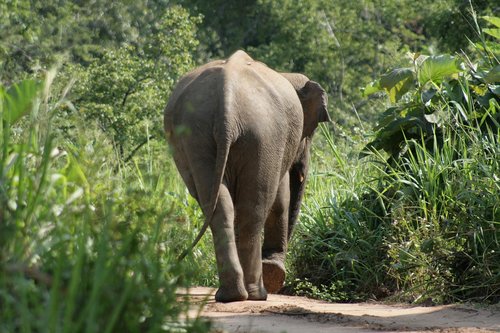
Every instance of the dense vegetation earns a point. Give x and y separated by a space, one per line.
403 199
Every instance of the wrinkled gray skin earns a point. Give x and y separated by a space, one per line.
240 135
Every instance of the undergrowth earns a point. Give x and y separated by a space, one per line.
87 243
418 218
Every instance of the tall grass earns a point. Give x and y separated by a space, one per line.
423 229
338 250
420 221
445 216
83 247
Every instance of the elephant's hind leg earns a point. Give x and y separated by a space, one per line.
249 223
231 278
275 240
252 207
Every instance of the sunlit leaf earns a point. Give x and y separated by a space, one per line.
394 77
492 32
372 88
18 99
438 68
481 90
493 47
491 76
436 117
397 83
493 20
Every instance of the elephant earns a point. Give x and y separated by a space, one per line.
240 135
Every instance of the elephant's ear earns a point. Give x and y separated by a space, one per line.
314 103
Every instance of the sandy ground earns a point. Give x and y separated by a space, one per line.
302 315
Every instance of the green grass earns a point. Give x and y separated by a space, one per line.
446 219
87 244
417 219
423 229
339 244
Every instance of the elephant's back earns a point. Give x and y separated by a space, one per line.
238 89
266 109
195 98
239 100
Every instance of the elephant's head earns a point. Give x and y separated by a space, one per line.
313 99
314 105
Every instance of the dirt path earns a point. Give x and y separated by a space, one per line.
302 315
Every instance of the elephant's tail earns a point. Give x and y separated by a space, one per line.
220 167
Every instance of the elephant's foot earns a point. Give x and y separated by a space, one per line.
257 292
226 295
273 273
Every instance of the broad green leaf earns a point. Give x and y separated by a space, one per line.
416 111
385 118
372 88
394 77
437 117
18 99
493 20
398 125
438 68
453 90
495 89
493 75
389 137
492 32
396 83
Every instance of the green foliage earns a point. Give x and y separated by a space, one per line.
439 91
94 213
17 100
334 293
36 33
444 235
424 225
339 251
125 90
451 23
82 249
339 44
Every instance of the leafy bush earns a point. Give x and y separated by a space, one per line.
81 248
441 184
125 90
444 232
424 224
439 99
338 251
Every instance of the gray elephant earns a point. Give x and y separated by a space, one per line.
240 135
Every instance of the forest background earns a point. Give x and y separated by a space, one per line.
403 200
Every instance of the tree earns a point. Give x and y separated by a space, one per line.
125 90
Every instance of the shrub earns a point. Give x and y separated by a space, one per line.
125 90
81 249
423 224
441 183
